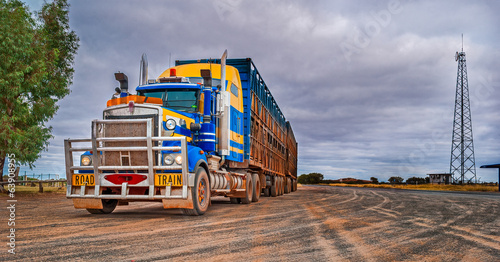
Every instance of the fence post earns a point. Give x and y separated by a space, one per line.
40 187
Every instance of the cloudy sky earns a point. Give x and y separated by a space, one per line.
368 86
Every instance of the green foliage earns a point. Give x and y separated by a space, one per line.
374 180
396 180
36 57
311 178
416 181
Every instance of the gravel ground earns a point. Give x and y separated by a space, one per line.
316 223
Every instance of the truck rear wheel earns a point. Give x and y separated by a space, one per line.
278 186
280 181
266 191
288 188
274 187
249 190
256 188
200 193
108 205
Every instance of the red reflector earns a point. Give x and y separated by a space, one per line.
173 72
131 179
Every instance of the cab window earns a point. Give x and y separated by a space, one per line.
183 99
234 90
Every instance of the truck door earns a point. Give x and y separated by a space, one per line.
236 124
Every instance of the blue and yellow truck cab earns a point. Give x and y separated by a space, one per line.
196 131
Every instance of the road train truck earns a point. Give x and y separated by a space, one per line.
203 128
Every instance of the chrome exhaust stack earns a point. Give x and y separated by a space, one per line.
143 74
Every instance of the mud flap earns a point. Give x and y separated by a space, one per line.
90 203
179 203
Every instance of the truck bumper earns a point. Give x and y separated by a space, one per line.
172 197
96 203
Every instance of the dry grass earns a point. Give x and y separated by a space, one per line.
29 190
479 188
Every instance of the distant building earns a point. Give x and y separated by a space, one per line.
439 179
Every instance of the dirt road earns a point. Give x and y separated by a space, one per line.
315 223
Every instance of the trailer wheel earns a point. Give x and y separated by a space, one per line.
278 186
249 190
108 206
201 194
295 185
266 191
256 188
281 186
274 187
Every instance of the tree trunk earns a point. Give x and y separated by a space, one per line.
2 162
16 173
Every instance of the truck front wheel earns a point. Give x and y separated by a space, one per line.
200 193
108 205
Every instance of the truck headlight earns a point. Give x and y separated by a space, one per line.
171 124
168 160
86 160
178 160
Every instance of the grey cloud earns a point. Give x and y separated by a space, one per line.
376 114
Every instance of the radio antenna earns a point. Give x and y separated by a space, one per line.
462 42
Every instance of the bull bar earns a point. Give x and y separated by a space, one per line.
97 146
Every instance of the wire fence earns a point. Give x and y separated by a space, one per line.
41 176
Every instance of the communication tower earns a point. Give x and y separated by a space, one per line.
462 164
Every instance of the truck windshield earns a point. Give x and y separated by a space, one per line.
185 99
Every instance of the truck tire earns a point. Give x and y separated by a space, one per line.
295 184
256 188
200 193
266 191
249 190
279 185
108 206
282 186
288 187
274 187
